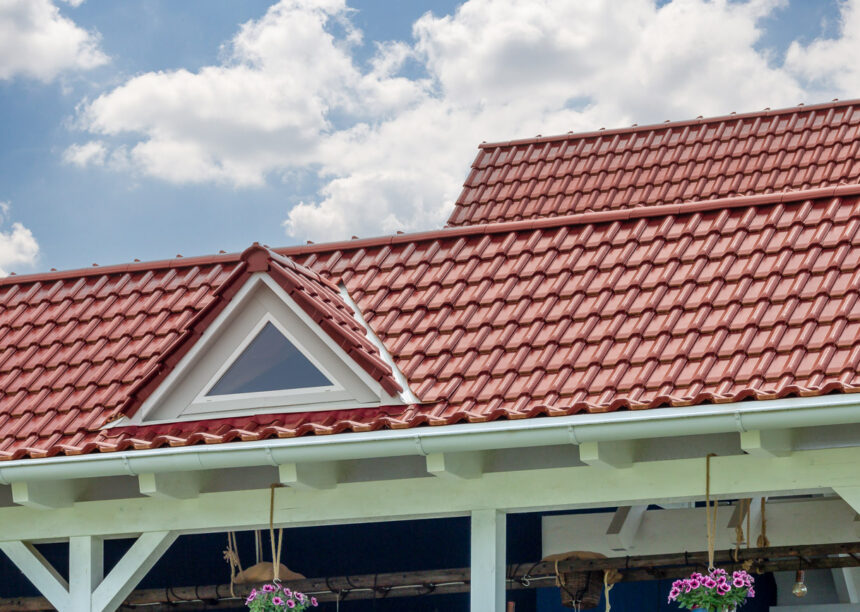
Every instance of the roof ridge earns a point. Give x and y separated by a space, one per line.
580 218
670 124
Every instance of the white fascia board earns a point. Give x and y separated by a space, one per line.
546 431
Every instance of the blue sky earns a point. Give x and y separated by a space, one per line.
144 129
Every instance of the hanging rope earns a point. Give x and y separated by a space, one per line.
762 541
711 516
231 555
276 555
743 509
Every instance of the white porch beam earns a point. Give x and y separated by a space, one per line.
38 571
309 475
488 561
769 442
625 523
133 566
465 465
607 454
516 491
179 485
86 570
45 495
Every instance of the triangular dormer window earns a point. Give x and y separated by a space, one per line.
267 353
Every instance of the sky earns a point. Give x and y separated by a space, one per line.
150 128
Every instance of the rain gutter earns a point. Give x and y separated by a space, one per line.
796 412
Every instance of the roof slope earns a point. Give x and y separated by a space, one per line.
742 299
79 352
769 151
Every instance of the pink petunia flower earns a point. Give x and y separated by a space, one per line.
314 602
277 601
673 594
288 592
751 592
738 582
709 583
251 597
268 588
291 603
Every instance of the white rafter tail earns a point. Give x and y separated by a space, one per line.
461 466
178 485
488 559
768 442
86 570
624 527
42 574
608 454
133 566
309 475
45 495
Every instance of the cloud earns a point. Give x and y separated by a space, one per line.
17 246
89 153
37 42
391 151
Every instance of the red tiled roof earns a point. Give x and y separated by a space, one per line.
753 297
77 352
764 152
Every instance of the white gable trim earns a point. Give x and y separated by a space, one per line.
181 396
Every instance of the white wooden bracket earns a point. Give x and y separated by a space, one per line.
624 526
488 559
618 454
38 571
180 485
45 495
87 589
309 475
461 466
768 442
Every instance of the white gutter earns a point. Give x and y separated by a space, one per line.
629 425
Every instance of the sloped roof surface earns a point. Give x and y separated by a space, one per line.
771 151
78 351
752 297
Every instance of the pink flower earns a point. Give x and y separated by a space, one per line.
693 583
751 592
291 603
268 588
738 582
709 582
314 602
722 589
277 601
300 597
673 594
288 592
251 597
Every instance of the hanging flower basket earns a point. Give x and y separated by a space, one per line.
274 598
714 592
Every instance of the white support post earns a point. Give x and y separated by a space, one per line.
847 583
309 475
133 566
488 565
38 571
86 570
607 454
624 526
462 466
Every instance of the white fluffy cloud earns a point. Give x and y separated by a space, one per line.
17 245
89 153
37 42
392 151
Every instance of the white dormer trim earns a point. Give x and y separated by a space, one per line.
182 395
